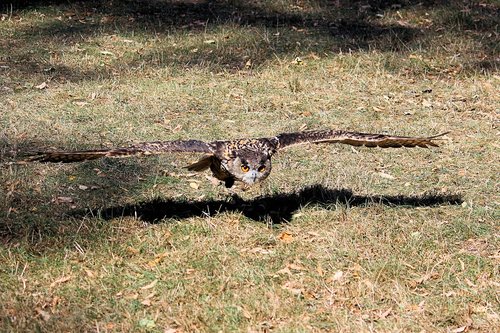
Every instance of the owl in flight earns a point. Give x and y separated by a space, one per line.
242 160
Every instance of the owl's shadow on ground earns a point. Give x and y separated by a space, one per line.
275 208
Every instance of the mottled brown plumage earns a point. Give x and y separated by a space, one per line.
245 160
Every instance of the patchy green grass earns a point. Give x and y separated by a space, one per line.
337 239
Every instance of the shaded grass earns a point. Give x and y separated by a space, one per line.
364 250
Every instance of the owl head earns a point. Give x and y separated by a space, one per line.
250 166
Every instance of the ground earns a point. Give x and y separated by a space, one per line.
337 239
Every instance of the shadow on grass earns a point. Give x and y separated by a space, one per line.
276 208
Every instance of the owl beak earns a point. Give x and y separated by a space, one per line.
254 176
251 177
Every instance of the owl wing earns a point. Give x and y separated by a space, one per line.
355 139
140 149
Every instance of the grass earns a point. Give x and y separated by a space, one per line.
337 239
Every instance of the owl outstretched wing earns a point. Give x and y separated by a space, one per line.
139 149
355 139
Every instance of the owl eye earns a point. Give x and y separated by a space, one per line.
261 168
245 168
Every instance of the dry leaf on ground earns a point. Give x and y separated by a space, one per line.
150 285
285 237
41 86
60 280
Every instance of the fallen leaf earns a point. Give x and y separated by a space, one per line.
337 276
107 53
320 271
157 260
132 296
470 283
283 271
426 277
150 295
80 103
296 267
55 301
246 313
148 323
170 330
99 172
146 302
41 86
132 250
44 314
89 273
194 185
459 329
106 19
385 175
293 289
297 61
417 307
83 187
426 103
60 280
285 237
110 326
150 285
385 313
59 200
258 250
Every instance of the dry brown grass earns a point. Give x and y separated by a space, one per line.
374 240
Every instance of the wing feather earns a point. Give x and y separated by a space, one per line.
355 139
203 164
139 149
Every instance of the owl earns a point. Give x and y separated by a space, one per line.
242 160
